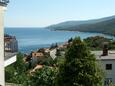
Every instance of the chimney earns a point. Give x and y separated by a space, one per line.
105 49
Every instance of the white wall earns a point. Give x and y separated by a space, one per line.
10 61
109 73
2 81
53 53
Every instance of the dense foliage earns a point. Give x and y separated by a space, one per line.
80 67
16 73
96 43
19 73
43 77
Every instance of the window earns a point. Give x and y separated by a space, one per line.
108 66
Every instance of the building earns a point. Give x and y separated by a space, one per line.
107 62
10 44
10 49
6 58
37 54
53 53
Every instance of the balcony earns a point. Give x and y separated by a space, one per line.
11 49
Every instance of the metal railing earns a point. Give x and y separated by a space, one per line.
10 46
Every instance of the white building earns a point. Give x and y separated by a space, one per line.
5 58
108 65
53 53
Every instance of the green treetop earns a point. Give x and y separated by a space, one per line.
80 67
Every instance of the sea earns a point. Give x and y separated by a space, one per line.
31 39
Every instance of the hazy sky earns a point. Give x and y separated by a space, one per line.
39 13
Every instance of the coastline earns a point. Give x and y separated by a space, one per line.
109 34
44 37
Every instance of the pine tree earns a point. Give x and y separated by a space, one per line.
80 67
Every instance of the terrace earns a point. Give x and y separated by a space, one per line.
11 49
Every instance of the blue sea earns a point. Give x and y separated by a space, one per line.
30 39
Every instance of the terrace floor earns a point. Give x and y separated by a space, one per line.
9 55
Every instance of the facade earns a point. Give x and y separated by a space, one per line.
53 53
5 58
107 61
37 54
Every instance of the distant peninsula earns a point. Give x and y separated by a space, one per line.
103 25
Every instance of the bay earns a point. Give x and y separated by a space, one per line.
30 39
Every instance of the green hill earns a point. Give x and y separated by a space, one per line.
103 25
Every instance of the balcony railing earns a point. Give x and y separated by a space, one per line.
10 44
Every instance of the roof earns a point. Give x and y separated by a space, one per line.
110 56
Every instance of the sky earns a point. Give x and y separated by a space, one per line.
41 13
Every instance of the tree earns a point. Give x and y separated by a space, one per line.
19 65
43 77
96 42
16 72
54 46
70 40
80 67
